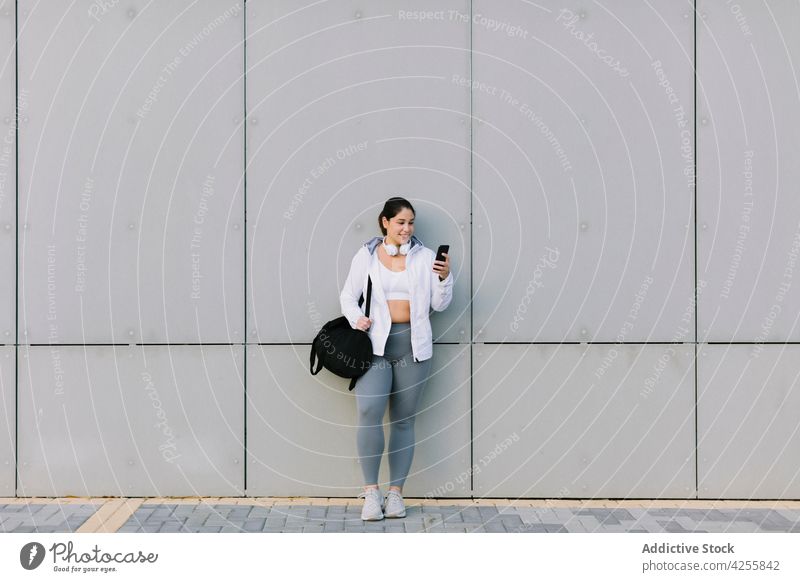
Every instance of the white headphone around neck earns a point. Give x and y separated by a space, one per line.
391 250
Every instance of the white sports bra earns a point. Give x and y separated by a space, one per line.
395 283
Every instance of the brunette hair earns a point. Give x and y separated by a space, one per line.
392 208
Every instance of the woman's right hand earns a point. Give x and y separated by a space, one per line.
363 323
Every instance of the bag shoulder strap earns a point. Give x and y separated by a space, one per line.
369 295
314 356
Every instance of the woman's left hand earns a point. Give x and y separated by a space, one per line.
442 268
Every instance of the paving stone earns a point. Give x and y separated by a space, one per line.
240 512
494 526
455 528
55 519
555 528
430 509
789 515
743 527
470 514
256 512
254 524
533 528
447 518
648 523
317 511
16 508
486 511
511 521
687 522
49 509
704 515
665 511
432 520
672 526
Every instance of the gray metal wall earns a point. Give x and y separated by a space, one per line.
185 184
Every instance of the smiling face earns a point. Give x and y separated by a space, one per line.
399 228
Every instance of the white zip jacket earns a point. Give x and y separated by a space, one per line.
425 289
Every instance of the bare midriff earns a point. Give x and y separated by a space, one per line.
400 309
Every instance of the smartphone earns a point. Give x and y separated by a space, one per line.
442 249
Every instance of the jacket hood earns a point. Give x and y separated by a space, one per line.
373 243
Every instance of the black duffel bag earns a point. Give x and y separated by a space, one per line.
345 351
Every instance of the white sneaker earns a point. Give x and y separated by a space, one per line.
373 506
394 504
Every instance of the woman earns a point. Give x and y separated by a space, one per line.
407 282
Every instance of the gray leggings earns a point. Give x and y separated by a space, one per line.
396 378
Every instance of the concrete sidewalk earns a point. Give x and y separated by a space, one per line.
303 514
